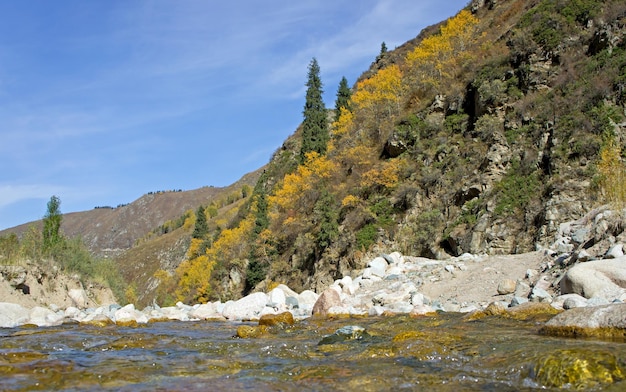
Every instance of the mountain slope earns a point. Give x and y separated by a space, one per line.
481 135
111 231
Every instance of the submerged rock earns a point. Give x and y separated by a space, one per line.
578 369
281 319
349 332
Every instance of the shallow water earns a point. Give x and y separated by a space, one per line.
437 353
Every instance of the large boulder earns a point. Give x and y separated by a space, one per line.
12 315
599 278
246 308
328 299
602 321
44 317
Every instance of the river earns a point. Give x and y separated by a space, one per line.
445 352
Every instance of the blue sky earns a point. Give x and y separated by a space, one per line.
103 101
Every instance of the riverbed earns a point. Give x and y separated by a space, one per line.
444 352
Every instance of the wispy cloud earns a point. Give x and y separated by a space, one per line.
106 97
10 194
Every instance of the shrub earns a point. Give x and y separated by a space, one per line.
366 236
515 190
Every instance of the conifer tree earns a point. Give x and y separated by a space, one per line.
383 51
201 228
315 125
343 98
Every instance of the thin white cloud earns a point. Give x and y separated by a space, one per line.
10 194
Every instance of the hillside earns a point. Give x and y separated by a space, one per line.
481 135
109 231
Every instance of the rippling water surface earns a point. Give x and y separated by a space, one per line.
439 353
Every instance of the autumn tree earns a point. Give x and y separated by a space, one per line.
52 224
315 125
378 97
612 173
343 98
437 56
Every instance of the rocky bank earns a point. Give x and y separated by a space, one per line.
585 267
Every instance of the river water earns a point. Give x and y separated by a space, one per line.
437 353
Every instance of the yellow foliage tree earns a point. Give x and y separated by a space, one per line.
193 275
194 279
289 196
385 176
381 93
613 174
437 56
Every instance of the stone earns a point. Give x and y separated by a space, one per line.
581 235
292 302
96 320
288 292
601 321
577 302
44 317
569 301
597 301
522 289
421 310
517 301
12 315
349 332
282 319
246 308
583 256
127 315
328 299
506 286
307 299
205 312
417 299
79 298
277 298
543 283
250 331
378 266
614 252
540 295
597 278
173 313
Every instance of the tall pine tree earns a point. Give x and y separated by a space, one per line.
201 228
343 98
315 125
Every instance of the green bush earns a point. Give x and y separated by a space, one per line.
366 236
516 189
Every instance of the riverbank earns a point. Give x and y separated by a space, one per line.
585 266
